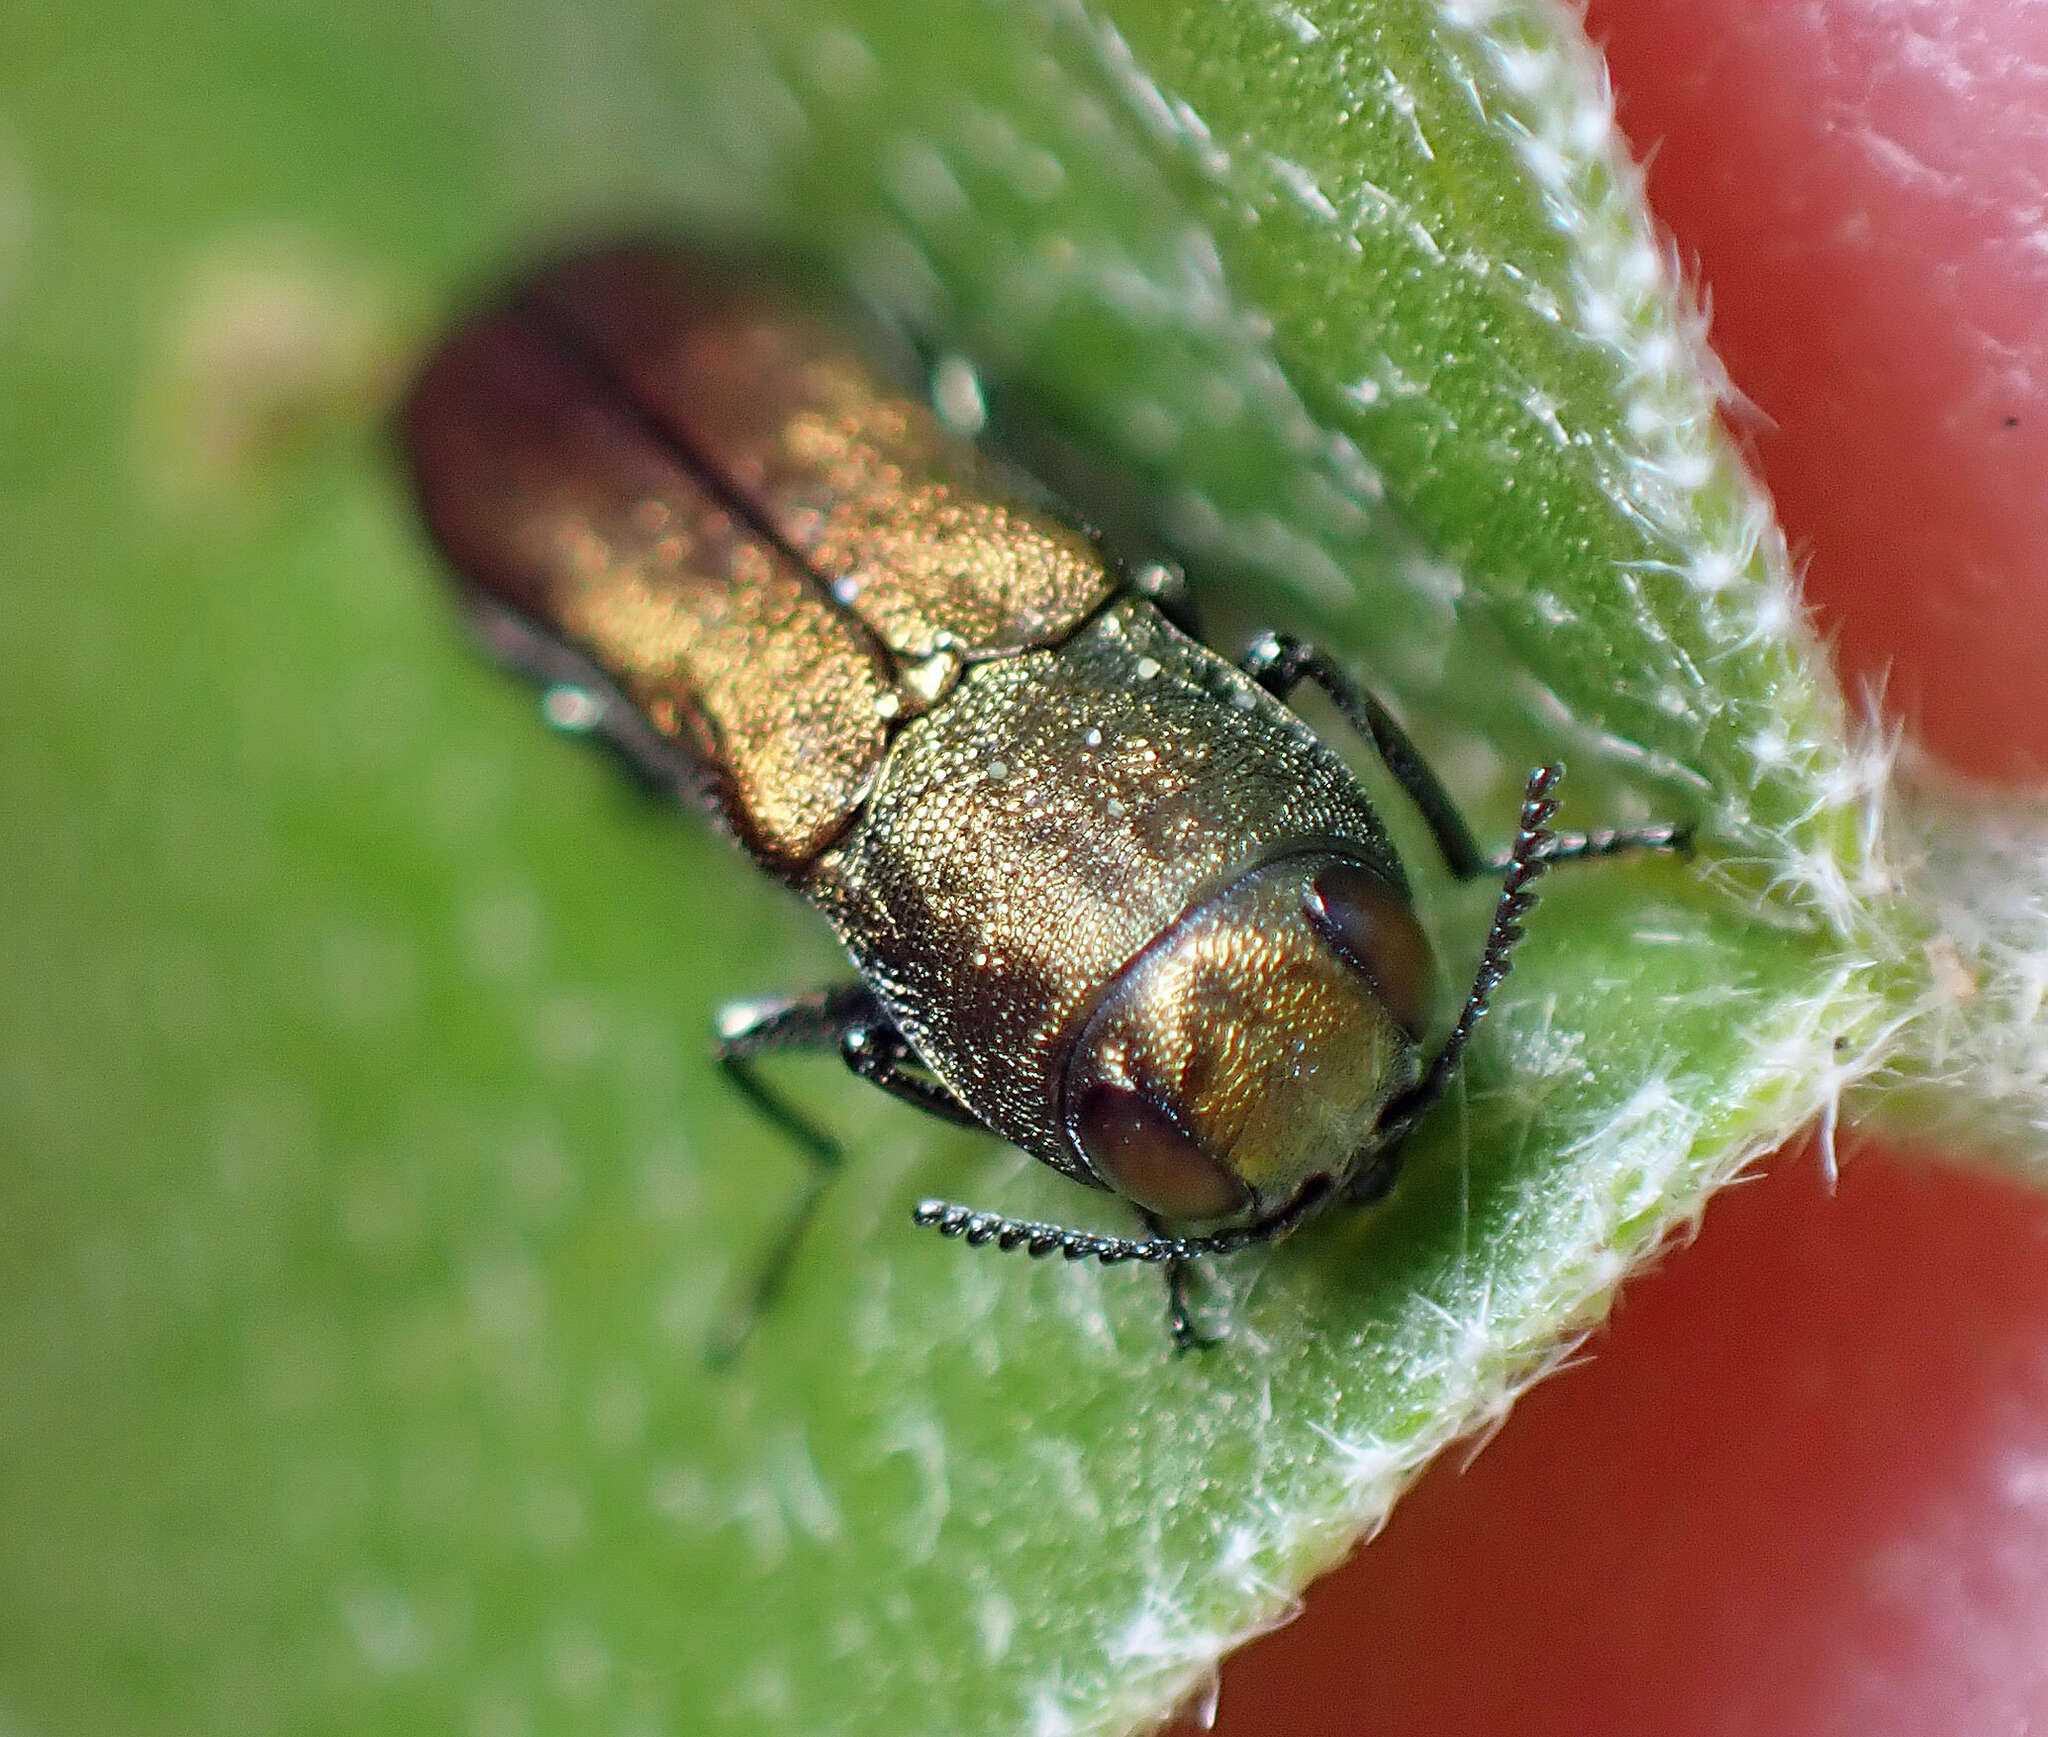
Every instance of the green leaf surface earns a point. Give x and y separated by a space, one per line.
366 1198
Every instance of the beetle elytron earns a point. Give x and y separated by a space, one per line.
1106 895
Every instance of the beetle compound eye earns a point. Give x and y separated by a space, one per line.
1138 1151
1374 931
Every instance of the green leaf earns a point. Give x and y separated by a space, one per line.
365 1195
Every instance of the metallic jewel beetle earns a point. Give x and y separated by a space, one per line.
1107 896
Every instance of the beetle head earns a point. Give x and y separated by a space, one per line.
1250 1050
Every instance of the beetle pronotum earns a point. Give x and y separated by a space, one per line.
1106 895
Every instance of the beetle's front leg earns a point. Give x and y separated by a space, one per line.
851 1021
1280 663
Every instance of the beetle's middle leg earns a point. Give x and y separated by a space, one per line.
851 1021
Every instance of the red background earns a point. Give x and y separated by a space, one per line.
1801 1485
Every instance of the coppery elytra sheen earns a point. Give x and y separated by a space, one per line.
1106 895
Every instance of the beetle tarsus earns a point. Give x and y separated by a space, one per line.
1664 838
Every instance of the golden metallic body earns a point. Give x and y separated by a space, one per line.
568 512
1067 847
697 482
940 552
1057 816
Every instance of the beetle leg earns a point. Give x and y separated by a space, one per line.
1280 663
1180 1321
1380 1169
747 1029
1528 857
848 1020
876 1051
1186 1335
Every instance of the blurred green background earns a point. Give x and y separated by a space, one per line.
365 1196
